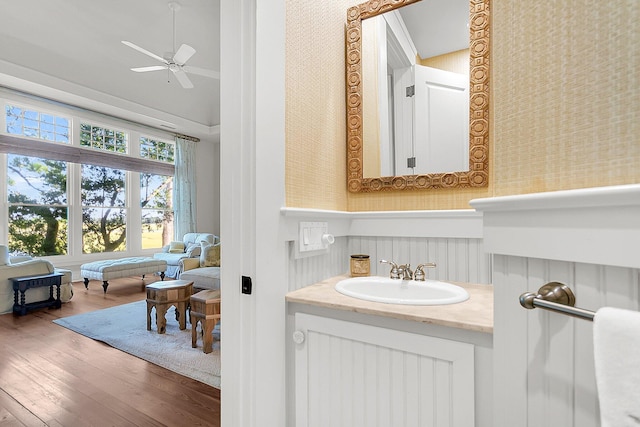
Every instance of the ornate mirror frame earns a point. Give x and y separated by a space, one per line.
478 173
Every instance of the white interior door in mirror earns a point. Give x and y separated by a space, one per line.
441 125
404 117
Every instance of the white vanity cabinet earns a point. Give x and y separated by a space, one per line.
355 374
357 363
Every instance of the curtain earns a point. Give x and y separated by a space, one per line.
184 187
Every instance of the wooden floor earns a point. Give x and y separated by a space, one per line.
51 376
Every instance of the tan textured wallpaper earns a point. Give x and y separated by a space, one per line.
315 124
566 94
565 108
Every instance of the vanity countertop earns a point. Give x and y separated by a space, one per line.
474 314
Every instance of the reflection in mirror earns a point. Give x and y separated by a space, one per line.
408 98
415 65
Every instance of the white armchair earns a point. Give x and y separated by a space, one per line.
26 266
189 247
203 272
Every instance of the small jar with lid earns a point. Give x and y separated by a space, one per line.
360 265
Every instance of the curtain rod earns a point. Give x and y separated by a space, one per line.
187 137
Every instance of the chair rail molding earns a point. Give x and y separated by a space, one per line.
594 225
463 223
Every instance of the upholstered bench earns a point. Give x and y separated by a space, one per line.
124 267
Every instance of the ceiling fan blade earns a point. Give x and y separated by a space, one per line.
201 72
152 68
182 78
183 54
146 52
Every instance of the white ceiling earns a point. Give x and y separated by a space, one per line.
71 50
75 46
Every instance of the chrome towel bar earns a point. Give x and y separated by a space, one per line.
555 296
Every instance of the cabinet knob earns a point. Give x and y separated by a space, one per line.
298 337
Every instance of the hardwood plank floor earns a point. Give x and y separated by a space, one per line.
51 376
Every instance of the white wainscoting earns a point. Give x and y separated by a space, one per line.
544 360
350 374
457 260
587 239
451 239
309 270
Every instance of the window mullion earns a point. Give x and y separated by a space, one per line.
134 213
75 210
4 205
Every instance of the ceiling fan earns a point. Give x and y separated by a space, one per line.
175 61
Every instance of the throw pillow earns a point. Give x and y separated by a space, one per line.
193 250
210 255
176 248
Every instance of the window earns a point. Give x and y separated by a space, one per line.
103 209
82 177
157 150
36 124
102 138
156 205
156 195
38 211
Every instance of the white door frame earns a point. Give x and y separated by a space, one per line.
252 143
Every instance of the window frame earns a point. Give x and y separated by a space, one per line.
49 206
27 107
76 155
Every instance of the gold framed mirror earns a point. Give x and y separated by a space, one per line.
477 174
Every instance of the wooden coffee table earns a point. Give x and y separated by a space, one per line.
163 295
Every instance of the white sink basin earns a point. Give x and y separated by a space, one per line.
396 291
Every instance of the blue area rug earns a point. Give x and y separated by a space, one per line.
125 327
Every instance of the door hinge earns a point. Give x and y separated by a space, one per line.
411 162
411 90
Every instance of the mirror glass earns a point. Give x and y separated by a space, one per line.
417 94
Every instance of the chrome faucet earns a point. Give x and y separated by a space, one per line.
405 271
394 273
419 273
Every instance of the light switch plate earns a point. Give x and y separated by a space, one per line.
310 236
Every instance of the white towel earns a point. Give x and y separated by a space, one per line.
616 342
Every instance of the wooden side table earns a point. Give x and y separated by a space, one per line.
24 283
205 308
163 295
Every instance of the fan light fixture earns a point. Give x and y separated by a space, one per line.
175 61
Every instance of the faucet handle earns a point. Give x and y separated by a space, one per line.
419 273
395 273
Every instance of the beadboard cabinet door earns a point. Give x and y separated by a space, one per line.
352 374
